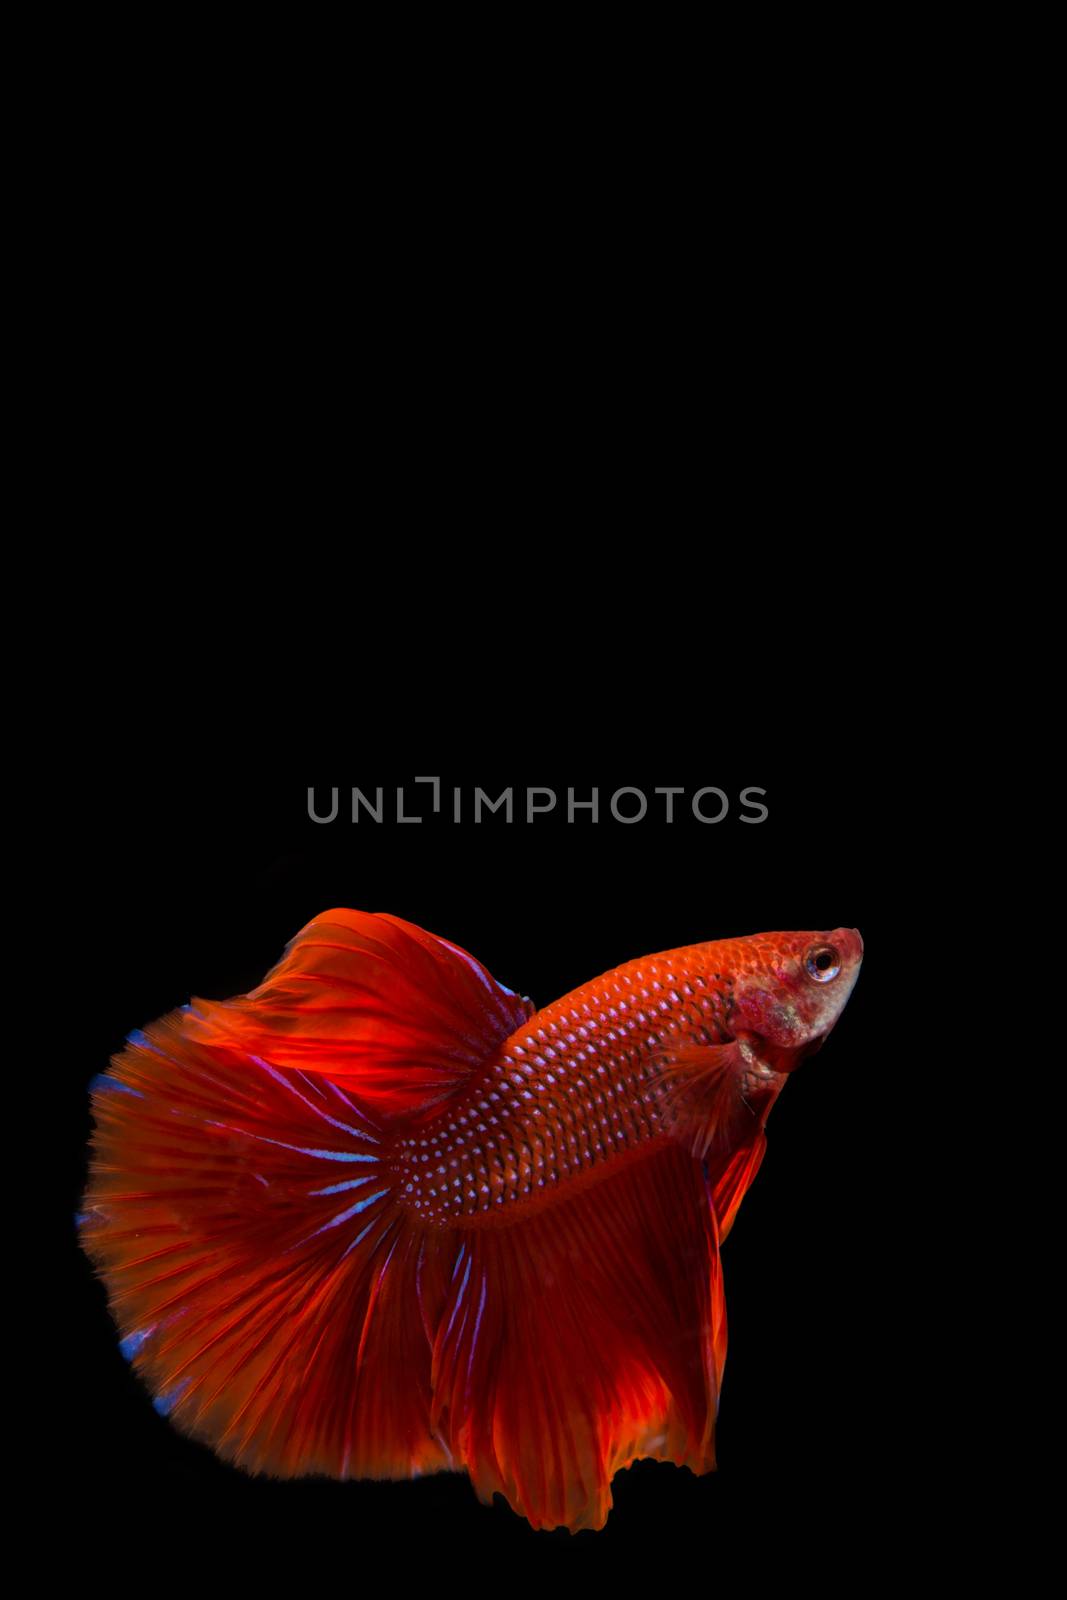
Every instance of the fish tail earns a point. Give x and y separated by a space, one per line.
242 1209
247 1230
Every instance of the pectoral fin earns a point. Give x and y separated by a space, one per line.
718 1096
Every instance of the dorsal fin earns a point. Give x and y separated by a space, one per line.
393 1013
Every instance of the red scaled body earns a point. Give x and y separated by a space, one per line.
376 1219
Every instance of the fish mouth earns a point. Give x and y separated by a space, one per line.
850 943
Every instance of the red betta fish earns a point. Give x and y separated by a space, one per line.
379 1218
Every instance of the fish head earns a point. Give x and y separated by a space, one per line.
790 988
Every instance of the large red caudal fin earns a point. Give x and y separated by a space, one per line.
241 1213
260 1272
588 1336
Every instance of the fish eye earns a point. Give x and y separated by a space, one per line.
822 963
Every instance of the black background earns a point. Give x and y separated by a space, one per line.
192 879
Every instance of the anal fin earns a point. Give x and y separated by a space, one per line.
583 1337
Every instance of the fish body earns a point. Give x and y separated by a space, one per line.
379 1217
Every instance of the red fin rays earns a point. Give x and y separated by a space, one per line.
730 1181
718 1096
260 1273
705 1104
376 1003
588 1337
